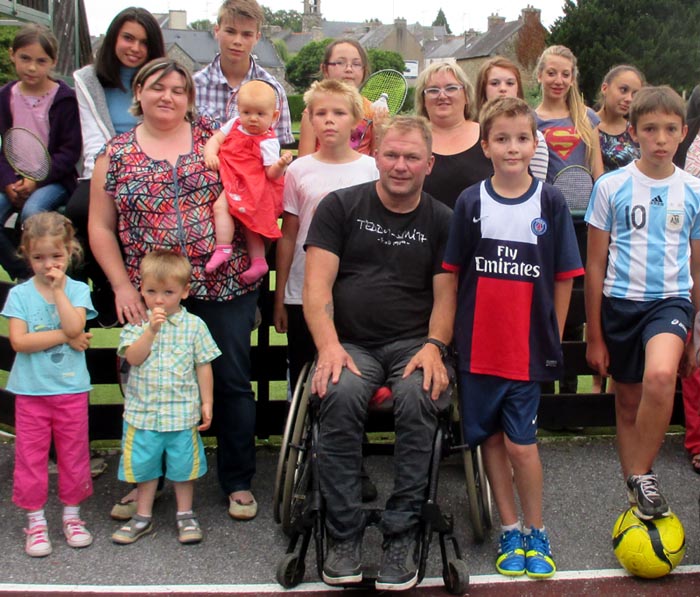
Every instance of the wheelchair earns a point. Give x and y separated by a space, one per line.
298 504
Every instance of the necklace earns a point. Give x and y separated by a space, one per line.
33 101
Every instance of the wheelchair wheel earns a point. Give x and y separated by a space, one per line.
286 440
290 571
478 494
456 577
297 476
485 488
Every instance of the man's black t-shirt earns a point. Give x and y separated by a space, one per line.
384 288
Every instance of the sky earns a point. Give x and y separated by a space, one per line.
461 14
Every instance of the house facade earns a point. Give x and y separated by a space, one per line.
521 41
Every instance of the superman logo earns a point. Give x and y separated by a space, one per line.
562 140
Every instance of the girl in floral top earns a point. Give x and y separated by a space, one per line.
619 86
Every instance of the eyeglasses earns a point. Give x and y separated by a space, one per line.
344 65
449 91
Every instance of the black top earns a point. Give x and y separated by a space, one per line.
452 174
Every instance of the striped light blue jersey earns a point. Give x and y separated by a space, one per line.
651 223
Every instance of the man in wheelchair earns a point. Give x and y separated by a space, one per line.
380 308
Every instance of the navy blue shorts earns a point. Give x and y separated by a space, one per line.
629 325
490 404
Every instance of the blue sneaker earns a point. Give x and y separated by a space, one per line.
538 555
511 554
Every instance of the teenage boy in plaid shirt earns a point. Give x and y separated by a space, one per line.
237 31
170 389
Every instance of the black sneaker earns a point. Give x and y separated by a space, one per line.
645 490
399 569
343 563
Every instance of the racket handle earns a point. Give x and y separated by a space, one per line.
381 102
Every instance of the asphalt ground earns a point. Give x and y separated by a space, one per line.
584 494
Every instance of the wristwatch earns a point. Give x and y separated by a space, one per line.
442 347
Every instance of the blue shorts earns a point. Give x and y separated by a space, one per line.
143 450
629 325
490 404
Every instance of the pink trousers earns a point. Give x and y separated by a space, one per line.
37 418
691 406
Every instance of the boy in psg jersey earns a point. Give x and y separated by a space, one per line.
643 285
512 242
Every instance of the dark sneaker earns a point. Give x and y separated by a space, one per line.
645 490
538 555
399 569
511 554
343 563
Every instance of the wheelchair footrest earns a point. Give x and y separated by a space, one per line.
440 522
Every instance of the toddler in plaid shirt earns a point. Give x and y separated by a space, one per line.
170 388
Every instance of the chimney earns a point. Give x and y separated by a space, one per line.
531 15
316 33
400 24
177 19
495 20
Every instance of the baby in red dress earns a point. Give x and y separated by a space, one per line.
247 153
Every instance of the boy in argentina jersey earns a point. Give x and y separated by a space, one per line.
512 242
642 286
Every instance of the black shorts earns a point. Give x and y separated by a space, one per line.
629 325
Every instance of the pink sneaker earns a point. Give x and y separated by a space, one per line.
38 544
76 533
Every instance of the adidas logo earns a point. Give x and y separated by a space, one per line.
657 201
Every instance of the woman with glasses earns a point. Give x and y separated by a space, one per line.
345 60
444 96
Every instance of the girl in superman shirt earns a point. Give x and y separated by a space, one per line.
567 124
570 130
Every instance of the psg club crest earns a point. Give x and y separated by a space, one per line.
538 226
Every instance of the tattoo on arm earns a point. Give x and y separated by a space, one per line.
329 309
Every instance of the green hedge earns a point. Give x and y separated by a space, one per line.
296 106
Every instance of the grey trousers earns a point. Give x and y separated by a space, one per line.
343 412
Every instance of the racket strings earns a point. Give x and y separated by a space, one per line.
390 82
576 186
26 154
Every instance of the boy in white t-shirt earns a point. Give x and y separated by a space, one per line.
334 109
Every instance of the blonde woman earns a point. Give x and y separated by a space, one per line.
567 124
570 130
445 96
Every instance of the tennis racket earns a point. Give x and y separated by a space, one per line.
576 184
26 153
388 81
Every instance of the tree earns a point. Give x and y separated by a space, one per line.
286 19
381 59
304 68
441 19
660 38
202 25
7 69
282 50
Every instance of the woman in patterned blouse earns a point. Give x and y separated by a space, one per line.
151 190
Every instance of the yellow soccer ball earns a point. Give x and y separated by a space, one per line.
648 548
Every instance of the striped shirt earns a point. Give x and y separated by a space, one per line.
651 223
540 161
162 393
217 99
